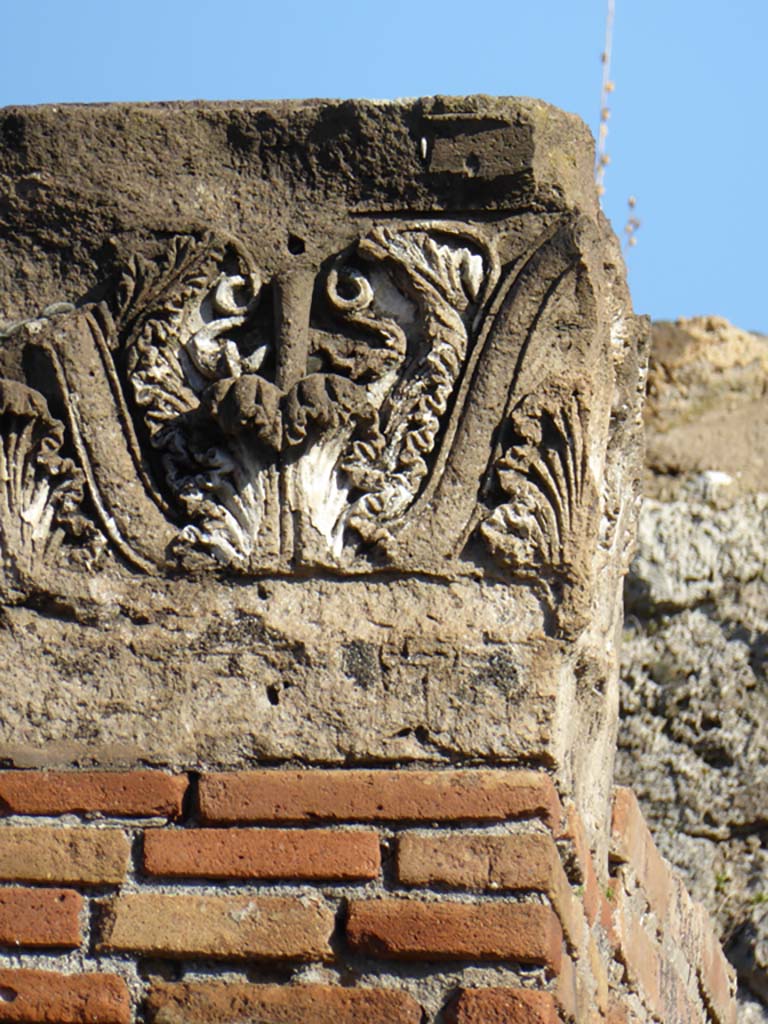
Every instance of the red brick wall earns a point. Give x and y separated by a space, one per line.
347 897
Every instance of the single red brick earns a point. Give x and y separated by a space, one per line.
138 794
225 1003
525 860
682 1003
567 992
716 976
641 956
632 843
586 867
221 927
262 853
465 860
40 918
598 969
627 827
502 1006
578 989
89 856
527 933
44 997
380 795
683 923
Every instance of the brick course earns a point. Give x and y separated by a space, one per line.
221 927
379 795
403 929
85 856
40 918
44 997
263 853
137 794
226 1003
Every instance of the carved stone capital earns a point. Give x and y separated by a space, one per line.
340 346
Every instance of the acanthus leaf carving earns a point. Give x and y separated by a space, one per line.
189 379
547 523
40 490
445 276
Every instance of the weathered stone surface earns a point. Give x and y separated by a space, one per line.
705 408
693 741
320 424
234 163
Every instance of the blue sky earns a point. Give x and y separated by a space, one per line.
689 114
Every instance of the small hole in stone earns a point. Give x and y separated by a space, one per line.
8 995
472 164
273 695
296 245
348 287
